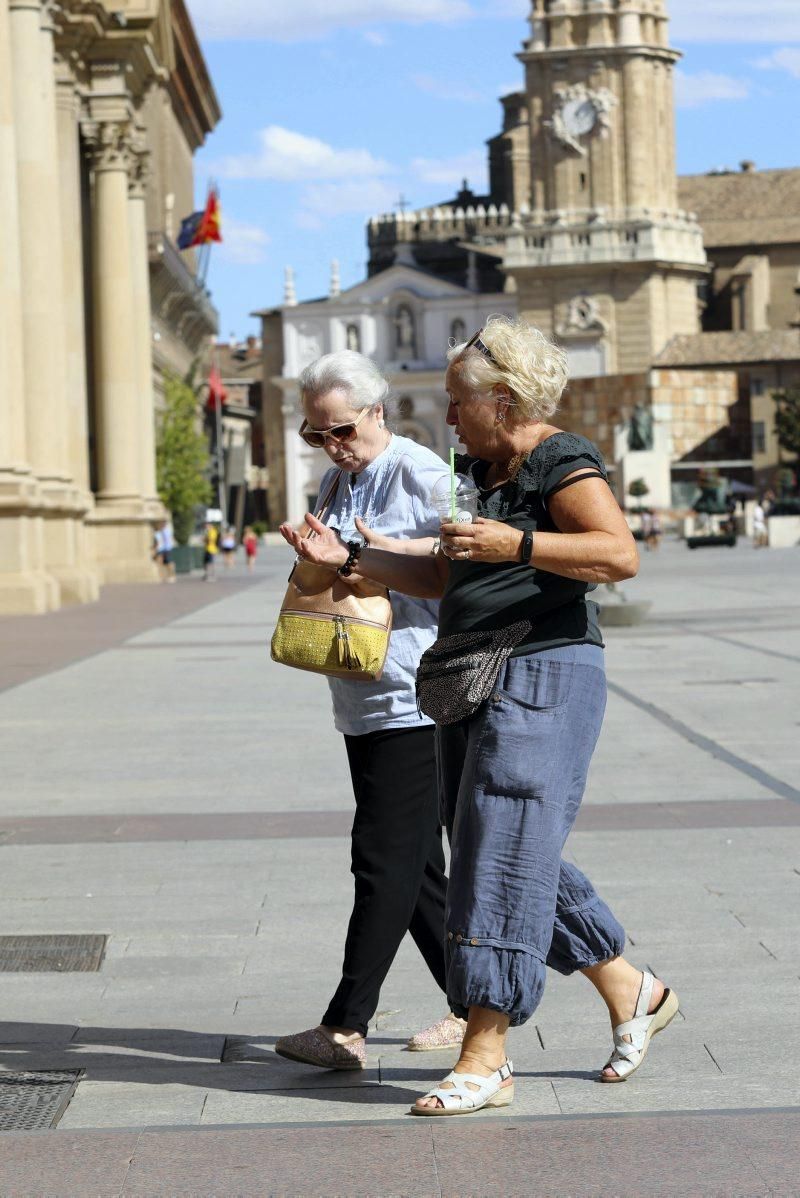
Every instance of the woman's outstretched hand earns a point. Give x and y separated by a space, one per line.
483 541
325 548
376 539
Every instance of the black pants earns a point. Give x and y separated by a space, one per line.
398 865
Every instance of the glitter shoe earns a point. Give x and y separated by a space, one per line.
314 1048
447 1033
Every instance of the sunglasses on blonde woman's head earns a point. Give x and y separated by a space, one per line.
476 343
342 433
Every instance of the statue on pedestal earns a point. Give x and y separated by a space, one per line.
640 428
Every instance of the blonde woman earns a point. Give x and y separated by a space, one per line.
514 590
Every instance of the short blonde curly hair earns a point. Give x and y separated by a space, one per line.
529 364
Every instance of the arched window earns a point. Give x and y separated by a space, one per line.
458 331
405 335
405 407
353 338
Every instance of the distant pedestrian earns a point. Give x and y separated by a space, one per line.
654 531
228 547
250 542
211 548
645 521
760 533
165 541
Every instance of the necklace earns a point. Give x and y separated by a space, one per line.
506 472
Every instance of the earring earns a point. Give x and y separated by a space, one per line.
500 419
381 424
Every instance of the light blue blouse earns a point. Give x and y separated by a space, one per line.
391 495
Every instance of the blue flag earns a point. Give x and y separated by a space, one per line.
189 228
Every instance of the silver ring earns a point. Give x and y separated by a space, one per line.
465 552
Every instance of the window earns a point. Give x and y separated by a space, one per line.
405 407
353 338
756 387
759 436
458 331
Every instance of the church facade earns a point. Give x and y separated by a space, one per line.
101 108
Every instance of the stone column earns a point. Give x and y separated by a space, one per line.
40 244
122 530
69 161
24 587
143 340
40 237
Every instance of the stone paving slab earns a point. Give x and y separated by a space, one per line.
746 1153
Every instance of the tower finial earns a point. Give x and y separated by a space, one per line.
336 282
289 292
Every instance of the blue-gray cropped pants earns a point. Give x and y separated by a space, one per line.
511 780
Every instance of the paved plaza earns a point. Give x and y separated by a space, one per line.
165 784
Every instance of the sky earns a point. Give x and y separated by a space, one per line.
337 110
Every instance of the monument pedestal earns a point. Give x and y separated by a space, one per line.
651 465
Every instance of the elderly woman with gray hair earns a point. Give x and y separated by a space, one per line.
397 855
516 683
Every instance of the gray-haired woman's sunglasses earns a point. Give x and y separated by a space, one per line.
337 432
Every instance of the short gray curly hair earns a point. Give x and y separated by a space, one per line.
348 371
530 365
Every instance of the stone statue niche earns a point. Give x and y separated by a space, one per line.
353 338
640 428
405 333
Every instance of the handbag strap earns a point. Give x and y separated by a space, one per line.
325 504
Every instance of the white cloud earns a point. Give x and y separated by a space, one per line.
442 90
243 243
785 59
309 20
692 91
287 156
734 21
451 172
374 38
326 201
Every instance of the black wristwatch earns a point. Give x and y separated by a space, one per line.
353 554
526 549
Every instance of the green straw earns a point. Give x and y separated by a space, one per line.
452 485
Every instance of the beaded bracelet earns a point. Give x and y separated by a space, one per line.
353 554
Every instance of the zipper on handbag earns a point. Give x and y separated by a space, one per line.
310 615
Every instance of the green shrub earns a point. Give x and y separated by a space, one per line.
181 457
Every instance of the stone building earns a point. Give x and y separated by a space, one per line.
680 293
102 106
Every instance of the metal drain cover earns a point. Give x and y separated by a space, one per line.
51 954
33 1101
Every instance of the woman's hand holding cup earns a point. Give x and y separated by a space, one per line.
481 541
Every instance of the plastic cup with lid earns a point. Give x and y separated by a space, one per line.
466 500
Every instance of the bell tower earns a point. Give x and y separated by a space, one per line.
601 254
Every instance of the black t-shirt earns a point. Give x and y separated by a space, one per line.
481 596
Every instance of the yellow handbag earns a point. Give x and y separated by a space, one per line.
330 625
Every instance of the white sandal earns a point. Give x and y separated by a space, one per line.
629 1055
461 1100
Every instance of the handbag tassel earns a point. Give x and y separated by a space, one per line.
348 657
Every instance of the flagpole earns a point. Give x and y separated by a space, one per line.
222 495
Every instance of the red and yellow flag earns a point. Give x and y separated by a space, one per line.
210 225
